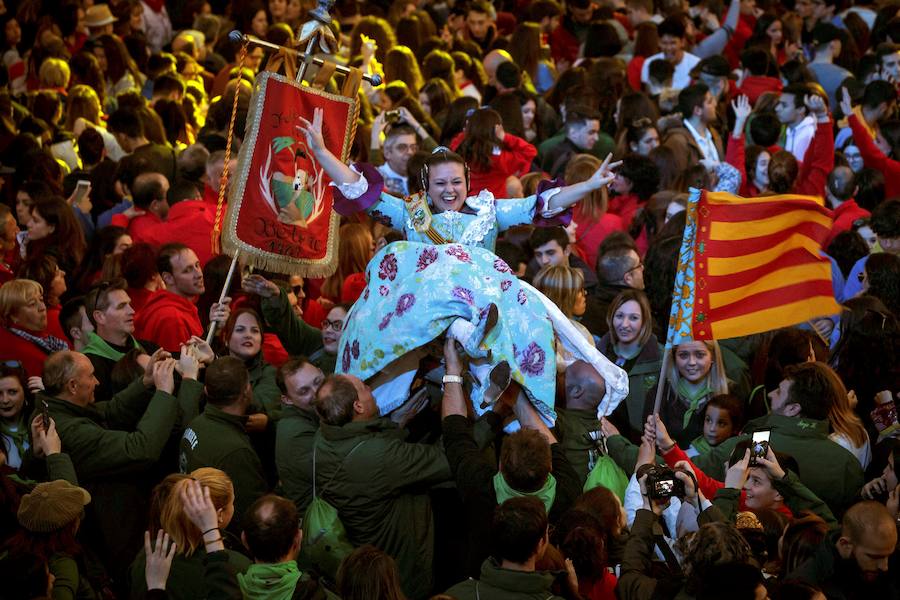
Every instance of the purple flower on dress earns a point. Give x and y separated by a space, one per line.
522 298
405 302
345 359
505 284
385 321
463 294
388 267
354 349
428 256
459 253
384 290
532 359
366 294
382 218
501 265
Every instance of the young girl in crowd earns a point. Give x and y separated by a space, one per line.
694 374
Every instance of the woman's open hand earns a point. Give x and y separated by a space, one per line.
312 131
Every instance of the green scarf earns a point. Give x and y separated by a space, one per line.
19 437
547 494
99 347
270 581
701 444
692 396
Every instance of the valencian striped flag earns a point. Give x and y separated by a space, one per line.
749 265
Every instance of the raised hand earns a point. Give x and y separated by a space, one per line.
846 104
259 285
816 105
737 474
159 559
46 443
604 174
742 110
158 356
164 376
313 131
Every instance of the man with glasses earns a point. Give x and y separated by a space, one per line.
402 133
332 326
619 268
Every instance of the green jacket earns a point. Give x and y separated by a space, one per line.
797 497
828 470
124 435
497 583
294 438
70 582
217 439
380 492
604 145
186 579
642 378
266 393
577 431
114 446
295 334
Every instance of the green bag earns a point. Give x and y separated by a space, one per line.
325 542
608 474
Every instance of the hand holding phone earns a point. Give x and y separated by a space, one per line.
759 446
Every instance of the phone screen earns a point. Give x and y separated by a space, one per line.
761 436
81 190
759 448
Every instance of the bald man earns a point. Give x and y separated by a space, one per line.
578 424
839 190
862 560
492 60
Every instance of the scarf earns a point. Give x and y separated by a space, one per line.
547 494
270 581
48 344
701 445
19 437
692 396
99 347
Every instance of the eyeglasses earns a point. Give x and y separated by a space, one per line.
405 147
297 289
337 325
640 265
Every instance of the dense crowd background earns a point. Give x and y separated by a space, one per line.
117 418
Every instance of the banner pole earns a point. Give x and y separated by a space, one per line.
661 383
234 262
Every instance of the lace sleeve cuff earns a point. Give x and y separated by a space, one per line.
351 198
544 216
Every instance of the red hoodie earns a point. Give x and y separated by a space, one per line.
167 320
875 158
514 158
707 484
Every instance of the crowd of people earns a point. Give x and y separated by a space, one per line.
553 145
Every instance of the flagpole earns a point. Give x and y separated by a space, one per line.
661 382
231 269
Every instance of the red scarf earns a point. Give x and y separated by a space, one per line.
155 5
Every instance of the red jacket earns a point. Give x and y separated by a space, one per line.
755 86
624 207
875 158
190 222
142 229
735 156
844 215
514 158
167 320
818 163
32 357
707 484
589 235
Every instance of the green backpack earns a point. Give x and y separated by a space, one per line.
606 472
325 542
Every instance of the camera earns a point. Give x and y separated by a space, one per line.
392 116
661 482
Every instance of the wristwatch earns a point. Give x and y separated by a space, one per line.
451 379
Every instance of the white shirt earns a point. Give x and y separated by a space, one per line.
706 143
682 76
798 138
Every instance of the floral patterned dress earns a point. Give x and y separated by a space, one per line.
416 290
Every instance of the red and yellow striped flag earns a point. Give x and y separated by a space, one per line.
757 265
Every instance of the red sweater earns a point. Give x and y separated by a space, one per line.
514 158
191 223
142 229
589 235
875 158
755 86
167 320
707 484
624 207
844 215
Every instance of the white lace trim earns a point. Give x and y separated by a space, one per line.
546 196
485 218
355 189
